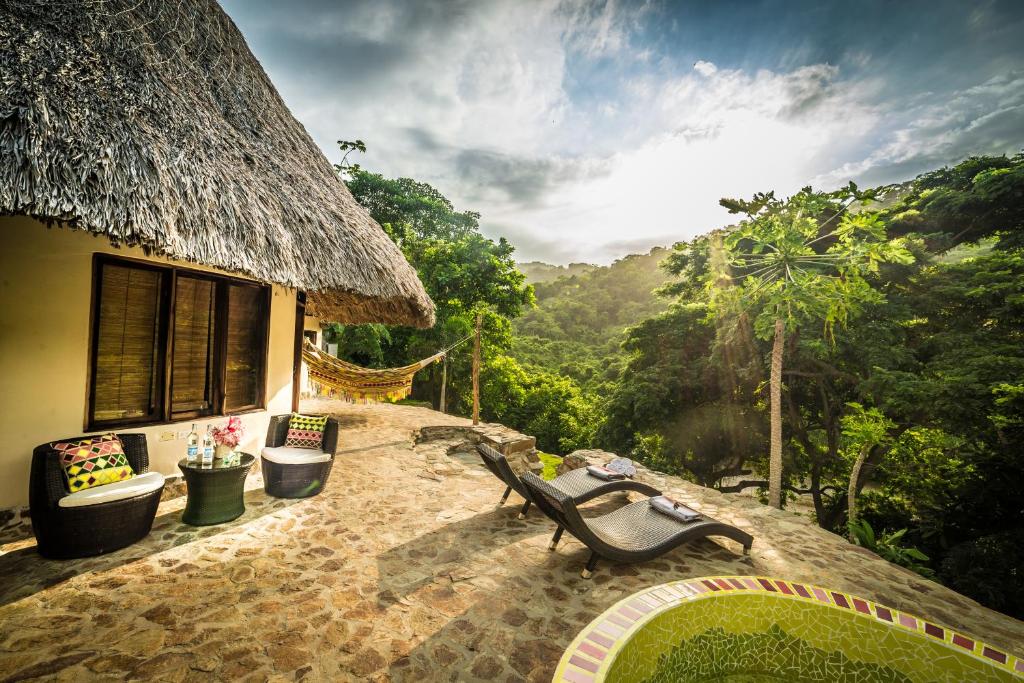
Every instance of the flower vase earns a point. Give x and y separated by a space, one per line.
226 453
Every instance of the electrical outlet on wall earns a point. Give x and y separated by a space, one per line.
168 436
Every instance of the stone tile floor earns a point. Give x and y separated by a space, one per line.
393 573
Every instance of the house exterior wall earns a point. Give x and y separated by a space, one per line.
310 324
45 299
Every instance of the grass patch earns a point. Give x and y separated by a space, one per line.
550 465
413 402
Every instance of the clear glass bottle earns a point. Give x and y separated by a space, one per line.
208 447
193 446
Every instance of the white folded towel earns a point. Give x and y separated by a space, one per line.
667 506
623 466
604 473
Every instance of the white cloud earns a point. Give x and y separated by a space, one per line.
721 132
705 68
983 119
481 100
713 133
594 28
488 75
481 91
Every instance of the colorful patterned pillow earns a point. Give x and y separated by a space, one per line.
93 461
305 431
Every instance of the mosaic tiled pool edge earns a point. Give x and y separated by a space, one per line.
590 656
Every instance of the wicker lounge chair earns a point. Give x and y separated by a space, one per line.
577 484
80 527
296 472
633 533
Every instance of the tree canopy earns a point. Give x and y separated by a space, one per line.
901 398
917 397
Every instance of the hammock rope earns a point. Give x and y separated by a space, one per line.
357 383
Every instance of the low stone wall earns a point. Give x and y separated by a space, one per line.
584 457
519 449
15 525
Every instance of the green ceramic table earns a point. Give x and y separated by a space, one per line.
216 491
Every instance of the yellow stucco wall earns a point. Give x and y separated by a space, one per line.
45 295
310 324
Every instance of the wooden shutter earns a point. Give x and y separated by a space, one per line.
192 379
127 367
245 347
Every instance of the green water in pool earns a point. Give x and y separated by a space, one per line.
717 656
745 678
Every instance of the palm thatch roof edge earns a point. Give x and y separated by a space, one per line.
153 124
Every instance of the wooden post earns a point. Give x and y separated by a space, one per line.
300 325
476 371
444 382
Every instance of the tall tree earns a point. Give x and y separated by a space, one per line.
865 428
463 271
803 260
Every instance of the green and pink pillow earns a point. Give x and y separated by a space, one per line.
306 431
93 461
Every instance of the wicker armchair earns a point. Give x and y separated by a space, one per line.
69 532
297 480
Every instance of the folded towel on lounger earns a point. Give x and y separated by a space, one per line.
604 473
667 506
622 466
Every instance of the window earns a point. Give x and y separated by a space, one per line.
194 335
171 344
245 350
128 330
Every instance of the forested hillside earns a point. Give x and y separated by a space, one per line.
895 315
912 371
538 271
577 327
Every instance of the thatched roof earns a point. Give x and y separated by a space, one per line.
150 122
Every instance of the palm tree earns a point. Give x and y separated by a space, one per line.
798 261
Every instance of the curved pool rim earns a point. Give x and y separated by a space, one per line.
592 653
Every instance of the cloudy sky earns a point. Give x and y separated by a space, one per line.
583 131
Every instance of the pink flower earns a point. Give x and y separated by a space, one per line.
230 435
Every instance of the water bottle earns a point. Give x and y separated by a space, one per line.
193 447
208 448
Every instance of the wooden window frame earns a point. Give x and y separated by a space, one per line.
261 391
163 307
213 364
165 351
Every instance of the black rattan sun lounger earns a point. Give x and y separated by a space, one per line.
633 533
577 484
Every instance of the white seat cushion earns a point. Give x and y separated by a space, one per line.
290 455
119 490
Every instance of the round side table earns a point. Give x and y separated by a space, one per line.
216 491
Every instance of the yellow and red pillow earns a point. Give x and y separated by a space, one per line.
305 431
93 461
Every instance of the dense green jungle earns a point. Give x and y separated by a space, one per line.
895 315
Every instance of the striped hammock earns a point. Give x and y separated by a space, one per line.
361 384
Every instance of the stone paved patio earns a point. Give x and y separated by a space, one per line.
398 571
